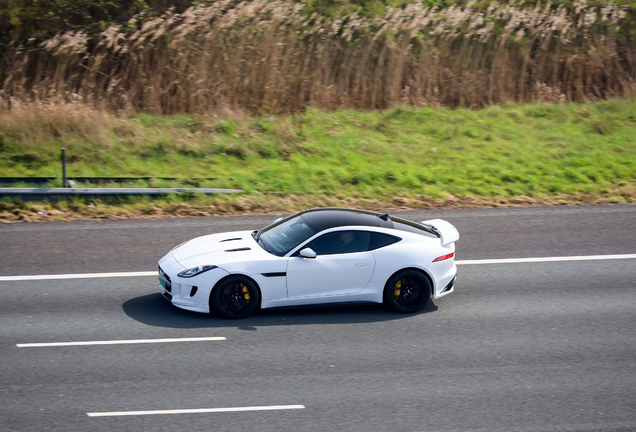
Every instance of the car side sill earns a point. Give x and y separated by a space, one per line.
326 305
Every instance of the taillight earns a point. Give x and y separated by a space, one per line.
445 257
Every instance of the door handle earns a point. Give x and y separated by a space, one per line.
361 264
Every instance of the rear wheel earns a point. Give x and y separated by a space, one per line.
235 297
407 291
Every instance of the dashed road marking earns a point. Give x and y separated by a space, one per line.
545 259
76 276
195 411
119 342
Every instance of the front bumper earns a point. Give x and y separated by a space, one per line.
191 294
184 303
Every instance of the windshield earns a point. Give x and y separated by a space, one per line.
281 238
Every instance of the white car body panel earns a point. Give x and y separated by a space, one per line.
296 281
329 275
210 249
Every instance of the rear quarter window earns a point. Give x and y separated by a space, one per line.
380 240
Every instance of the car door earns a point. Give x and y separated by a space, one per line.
340 267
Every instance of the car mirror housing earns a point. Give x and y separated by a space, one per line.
307 253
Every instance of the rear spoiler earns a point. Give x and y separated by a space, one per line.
447 232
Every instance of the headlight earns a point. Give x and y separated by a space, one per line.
194 271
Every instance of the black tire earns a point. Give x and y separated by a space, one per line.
407 291
235 297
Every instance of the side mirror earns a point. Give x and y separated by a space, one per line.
307 253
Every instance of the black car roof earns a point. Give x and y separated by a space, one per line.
321 219
325 218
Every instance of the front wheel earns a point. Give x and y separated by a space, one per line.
235 297
407 291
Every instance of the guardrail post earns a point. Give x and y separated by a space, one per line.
64 167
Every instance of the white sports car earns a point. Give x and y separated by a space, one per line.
318 256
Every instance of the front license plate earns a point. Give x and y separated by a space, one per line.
162 282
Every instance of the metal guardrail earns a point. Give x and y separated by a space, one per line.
4 181
69 186
39 194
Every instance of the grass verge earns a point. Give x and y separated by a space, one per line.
402 157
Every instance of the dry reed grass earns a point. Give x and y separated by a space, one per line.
35 122
268 57
46 125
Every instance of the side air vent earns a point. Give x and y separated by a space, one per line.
232 239
239 249
278 274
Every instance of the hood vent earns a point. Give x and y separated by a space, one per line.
239 249
232 239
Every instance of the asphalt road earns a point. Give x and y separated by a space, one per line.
521 347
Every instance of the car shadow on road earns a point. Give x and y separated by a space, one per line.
154 310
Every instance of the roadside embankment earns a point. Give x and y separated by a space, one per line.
423 157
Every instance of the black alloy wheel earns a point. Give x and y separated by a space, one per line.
235 297
407 291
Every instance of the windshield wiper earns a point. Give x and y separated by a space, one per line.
264 245
257 237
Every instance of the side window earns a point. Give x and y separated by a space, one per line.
379 240
340 242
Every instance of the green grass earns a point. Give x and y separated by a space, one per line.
536 151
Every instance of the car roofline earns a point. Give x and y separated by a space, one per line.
428 228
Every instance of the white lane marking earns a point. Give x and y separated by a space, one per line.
196 411
458 262
545 259
77 276
119 342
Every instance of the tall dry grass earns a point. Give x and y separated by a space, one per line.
265 56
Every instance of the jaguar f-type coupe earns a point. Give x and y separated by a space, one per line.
314 257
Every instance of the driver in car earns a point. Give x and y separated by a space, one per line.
346 242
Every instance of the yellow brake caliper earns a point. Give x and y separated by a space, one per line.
397 290
246 293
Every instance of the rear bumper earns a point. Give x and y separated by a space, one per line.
449 288
445 284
